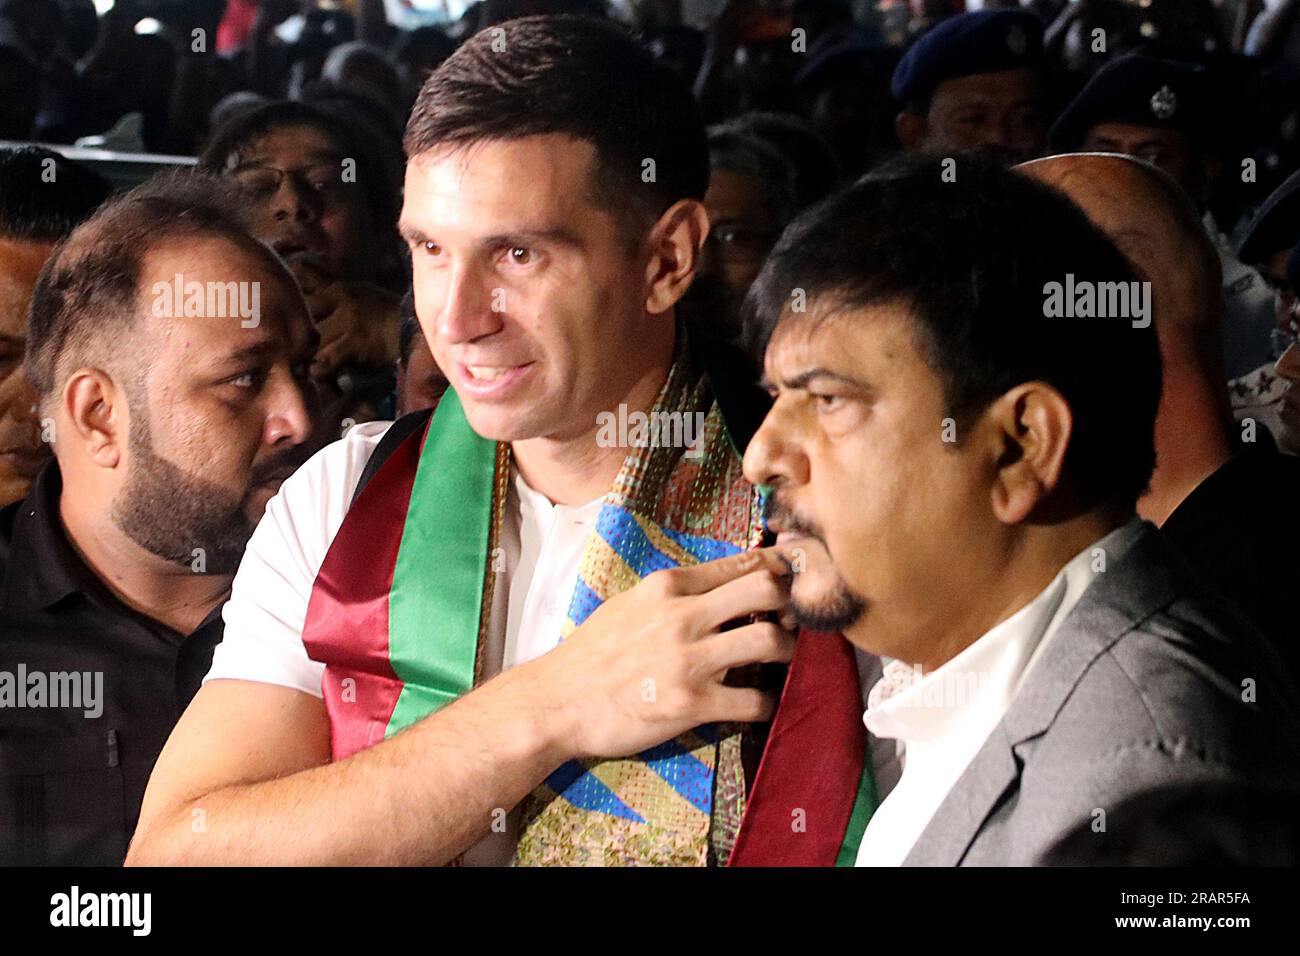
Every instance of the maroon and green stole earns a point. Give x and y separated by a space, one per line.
399 611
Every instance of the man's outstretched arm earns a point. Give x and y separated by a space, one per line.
246 777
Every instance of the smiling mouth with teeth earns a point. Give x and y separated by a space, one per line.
488 373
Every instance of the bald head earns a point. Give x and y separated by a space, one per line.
1155 225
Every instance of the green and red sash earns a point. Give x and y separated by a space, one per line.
398 613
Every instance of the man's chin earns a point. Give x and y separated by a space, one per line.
256 502
499 423
831 607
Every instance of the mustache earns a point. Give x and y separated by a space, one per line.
777 510
283 463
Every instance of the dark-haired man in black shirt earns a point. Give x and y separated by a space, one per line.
178 401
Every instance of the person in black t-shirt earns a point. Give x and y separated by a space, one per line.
170 353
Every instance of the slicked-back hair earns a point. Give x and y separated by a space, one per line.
43 196
87 296
970 260
577 76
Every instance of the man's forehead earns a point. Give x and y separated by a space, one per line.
216 286
844 339
1020 84
531 178
306 142
1136 131
213 258
21 260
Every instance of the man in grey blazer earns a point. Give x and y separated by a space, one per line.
966 377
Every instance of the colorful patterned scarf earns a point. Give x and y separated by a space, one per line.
398 614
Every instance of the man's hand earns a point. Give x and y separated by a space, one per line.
649 663
358 322
252 760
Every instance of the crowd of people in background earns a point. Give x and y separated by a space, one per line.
294 113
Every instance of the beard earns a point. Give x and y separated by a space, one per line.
839 607
832 613
172 513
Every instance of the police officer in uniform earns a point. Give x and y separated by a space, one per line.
1162 111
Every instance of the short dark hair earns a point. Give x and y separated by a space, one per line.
87 293
817 169
43 196
971 258
747 154
578 76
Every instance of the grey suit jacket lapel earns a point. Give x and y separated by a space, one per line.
1114 603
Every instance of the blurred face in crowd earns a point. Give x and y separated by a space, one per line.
1288 363
301 202
742 230
888 527
1288 366
22 453
1170 150
528 291
765 67
219 414
999 111
420 383
1273 271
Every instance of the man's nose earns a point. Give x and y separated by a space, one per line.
772 455
295 202
470 310
290 417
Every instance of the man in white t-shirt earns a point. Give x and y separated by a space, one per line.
552 235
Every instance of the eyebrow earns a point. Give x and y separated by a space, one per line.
259 349
560 236
802 380
12 340
313 159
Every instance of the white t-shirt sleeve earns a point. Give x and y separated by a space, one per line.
268 601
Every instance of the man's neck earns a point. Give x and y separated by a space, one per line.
1193 440
168 593
1027 566
576 469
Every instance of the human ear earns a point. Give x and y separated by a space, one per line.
676 243
96 410
1032 425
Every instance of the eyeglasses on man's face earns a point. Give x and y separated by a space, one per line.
261 182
